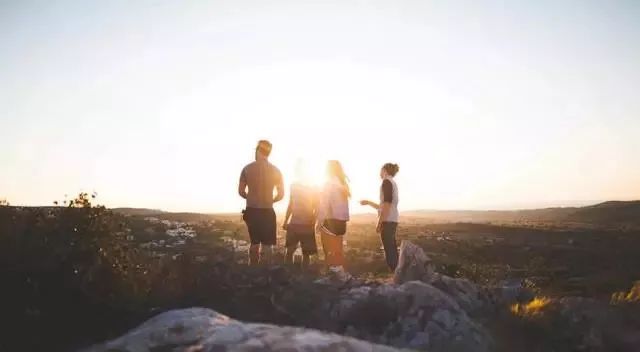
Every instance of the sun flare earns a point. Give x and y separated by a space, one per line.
308 171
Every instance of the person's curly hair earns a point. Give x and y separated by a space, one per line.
391 169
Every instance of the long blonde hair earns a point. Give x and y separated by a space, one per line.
334 169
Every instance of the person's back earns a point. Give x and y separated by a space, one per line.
300 228
303 203
332 217
261 178
257 182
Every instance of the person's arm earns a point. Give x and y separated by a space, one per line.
374 205
323 205
242 185
315 203
287 216
279 188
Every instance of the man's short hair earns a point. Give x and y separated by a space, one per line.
264 147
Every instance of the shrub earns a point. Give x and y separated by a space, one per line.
65 268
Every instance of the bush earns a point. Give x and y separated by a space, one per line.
65 269
74 275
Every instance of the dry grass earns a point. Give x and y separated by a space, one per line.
631 296
531 309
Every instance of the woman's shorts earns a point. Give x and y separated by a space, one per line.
335 227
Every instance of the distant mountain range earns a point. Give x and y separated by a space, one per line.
606 213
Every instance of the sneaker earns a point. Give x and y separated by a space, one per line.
339 274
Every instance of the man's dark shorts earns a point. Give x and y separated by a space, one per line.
303 234
262 225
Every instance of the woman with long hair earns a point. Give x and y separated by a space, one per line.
333 215
387 213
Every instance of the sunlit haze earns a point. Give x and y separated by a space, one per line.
483 104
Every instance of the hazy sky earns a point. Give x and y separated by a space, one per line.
484 104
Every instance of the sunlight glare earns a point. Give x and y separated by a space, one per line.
309 172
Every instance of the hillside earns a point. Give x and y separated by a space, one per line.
605 214
611 213
138 211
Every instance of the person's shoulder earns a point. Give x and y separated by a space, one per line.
274 168
248 166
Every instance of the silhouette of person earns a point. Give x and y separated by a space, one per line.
300 218
332 218
257 182
387 213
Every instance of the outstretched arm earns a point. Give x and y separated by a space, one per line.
374 205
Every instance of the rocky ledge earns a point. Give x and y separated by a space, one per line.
420 310
201 329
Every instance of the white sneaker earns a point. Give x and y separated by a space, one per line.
339 274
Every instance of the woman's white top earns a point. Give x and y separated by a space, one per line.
334 202
389 194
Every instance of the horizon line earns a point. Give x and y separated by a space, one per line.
543 205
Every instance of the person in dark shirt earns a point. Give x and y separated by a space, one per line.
257 182
388 213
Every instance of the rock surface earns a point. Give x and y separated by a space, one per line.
200 330
421 310
413 264
413 315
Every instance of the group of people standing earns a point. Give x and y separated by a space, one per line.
324 211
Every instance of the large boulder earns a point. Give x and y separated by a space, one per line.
468 295
413 315
200 330
413 264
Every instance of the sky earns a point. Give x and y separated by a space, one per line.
159 104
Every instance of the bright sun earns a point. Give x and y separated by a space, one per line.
309 171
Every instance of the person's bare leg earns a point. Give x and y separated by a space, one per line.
288 258
254 254
266 254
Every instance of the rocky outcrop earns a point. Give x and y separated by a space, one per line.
420 310
200 330
413 264
413 315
